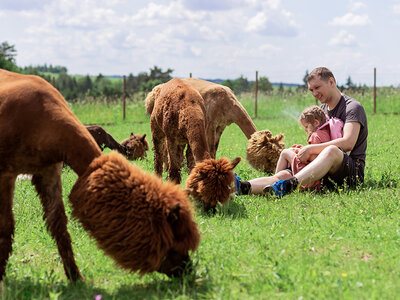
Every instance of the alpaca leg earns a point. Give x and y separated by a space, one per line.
218 134
49 188
175 157
189 159
158 147
7 222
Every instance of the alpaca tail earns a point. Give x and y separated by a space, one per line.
151 98
211 181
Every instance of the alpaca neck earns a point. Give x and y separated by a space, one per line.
80 150
243 120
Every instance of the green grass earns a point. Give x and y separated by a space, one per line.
336 245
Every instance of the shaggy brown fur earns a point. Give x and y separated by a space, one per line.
135 226
263 150
178 119
210 182
136 146
38 133
222 109
104 139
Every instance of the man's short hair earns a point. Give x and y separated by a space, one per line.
323 73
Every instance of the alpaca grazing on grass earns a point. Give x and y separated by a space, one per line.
178 119
144 224
263 150
104 139
222 109
134 147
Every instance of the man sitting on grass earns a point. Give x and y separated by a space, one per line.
339 161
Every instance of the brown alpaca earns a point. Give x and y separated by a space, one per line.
136 146
138 229
206 184
178 119
263 150
104 139
222 109
38 133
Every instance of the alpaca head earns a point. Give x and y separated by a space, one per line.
144 224
211 181
135 146
263 150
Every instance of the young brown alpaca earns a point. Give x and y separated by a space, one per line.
143 224
210 182
263 150
136 146
104 139
222 109
178 119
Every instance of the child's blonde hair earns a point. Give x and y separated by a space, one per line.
312 113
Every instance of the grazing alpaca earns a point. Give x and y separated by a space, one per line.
222 109
206 184
178 119
136 146
263 150
104 139
144 224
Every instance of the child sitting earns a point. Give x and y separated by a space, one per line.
319 130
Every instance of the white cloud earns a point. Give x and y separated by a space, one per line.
355 6
396 8
351 19
272 20
343 38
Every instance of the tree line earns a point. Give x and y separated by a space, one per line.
76 87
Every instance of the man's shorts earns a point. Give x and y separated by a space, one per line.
351 173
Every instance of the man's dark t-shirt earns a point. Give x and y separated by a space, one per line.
350 110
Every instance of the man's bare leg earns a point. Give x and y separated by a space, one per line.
328 161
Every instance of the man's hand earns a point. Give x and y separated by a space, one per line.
305 152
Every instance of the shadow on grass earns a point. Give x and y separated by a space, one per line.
233 208
44 288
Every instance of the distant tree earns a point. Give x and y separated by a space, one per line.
349 83
305 81
157 73
280 89
264 85
8 52
85 84
7 57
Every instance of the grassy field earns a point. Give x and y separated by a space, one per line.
336 245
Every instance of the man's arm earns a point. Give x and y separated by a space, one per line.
347 142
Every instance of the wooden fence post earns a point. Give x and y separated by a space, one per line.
374 90
124 98
256 95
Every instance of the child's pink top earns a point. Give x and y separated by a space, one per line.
328 131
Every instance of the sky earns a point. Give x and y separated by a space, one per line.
281 39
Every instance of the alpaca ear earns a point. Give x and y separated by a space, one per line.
131 133
143 137
173 215
235 162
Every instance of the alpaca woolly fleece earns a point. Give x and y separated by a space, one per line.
263 150
128 212
211 181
